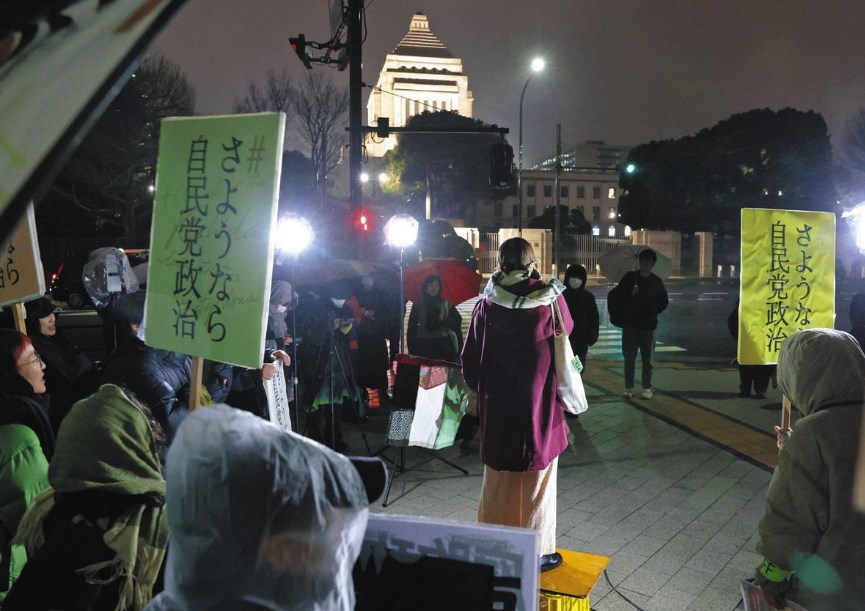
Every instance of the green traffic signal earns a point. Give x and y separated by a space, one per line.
631 168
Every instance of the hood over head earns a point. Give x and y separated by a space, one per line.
821 367
259 515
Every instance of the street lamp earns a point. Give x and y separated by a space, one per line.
537 66
294 234
401 231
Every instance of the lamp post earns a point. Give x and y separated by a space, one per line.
537 66
401 231
294 235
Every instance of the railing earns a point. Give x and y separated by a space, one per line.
583 249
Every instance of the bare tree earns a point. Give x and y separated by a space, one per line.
112 173
854 140
322 113
276 95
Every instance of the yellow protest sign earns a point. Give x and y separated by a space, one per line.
211 246
21 276
787 281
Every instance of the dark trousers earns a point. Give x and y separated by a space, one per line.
634 340
758 375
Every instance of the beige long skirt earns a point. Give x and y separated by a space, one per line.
527 500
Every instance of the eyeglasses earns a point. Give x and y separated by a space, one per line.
36 359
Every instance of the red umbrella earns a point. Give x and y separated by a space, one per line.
459 281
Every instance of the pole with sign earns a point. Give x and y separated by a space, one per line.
211 245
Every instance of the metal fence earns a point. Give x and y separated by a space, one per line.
583 249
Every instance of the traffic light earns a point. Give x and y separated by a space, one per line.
298 45
501 166
382 129
363 220
631 167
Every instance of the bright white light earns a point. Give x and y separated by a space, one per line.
612 214
293 234
855 218
611 231
382 178
627 231
631 168
151 188
538 64
596 230
780 193
400 231
364 177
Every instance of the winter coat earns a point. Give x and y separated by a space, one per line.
584 313
23 475
810 525
641 310
20 405
69 374
508 360
155 376
434 329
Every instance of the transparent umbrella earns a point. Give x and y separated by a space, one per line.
624 259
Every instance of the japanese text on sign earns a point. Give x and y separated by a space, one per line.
788 279
212 235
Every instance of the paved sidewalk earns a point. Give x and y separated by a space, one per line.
676 509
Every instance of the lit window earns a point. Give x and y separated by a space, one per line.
611 231
612 214
627 231
611 193
596 230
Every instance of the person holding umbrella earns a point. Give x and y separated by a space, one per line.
643 296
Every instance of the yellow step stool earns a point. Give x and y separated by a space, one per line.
567 587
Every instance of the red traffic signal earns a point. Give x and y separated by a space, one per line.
298 45
363 220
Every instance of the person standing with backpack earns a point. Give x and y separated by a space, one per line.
634 305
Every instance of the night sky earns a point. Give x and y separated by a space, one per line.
624 71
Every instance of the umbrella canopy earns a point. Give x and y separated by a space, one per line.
315 270
459 281
624 259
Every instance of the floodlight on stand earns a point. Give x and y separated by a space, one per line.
401 232
855 218
294 234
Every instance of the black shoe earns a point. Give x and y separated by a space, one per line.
550 561
759 395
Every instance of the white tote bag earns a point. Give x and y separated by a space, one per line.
569 382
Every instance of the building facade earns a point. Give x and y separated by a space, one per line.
420 75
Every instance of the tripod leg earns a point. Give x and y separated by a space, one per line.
352 396
435 454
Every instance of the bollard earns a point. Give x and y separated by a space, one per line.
720 270
732 271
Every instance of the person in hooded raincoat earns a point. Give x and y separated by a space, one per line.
508 360
811 537
259 518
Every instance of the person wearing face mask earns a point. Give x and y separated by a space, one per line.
246 390
583 309
70 375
